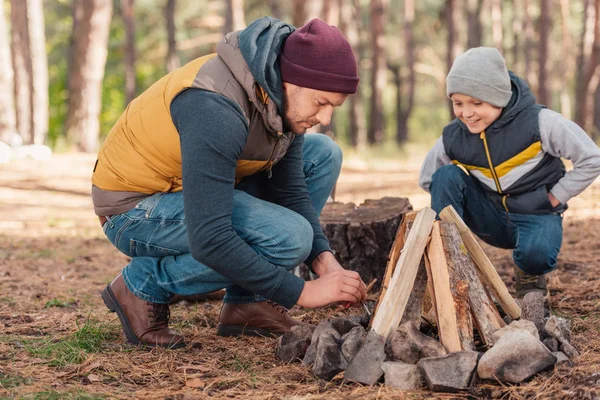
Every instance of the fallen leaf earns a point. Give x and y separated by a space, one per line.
195 383
94 378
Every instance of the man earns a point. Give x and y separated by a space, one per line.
207 181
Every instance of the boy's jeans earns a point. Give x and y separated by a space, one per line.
536 239
154 233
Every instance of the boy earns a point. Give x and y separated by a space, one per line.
499 164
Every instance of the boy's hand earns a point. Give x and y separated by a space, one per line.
553 200
334 284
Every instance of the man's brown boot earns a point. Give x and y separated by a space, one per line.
526 283
143 322
265 319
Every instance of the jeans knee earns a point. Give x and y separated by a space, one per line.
535 260
326 150
448 175
297 242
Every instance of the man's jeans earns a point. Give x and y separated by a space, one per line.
536 239
154 233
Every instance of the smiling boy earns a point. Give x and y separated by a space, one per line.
499 164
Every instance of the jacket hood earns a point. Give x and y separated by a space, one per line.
260 44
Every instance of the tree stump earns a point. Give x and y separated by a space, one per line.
361 237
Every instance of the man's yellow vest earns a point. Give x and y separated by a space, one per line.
142 151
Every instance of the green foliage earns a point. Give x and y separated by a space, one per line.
12 381
74 348
55 395
60 302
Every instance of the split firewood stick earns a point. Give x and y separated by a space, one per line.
483 263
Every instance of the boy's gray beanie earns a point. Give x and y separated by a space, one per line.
481 73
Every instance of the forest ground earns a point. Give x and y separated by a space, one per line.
57 339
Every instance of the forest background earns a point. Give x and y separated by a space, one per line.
68 68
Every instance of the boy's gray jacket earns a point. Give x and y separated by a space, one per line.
517 158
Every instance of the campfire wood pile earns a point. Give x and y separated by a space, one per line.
436 273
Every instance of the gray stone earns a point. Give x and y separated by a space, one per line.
409 345
328 357
523 324
562 359
365 367
569 350
352 341
343 325
532 309
403 376
558 328
311 352
451 373
515 357
293 344
551 344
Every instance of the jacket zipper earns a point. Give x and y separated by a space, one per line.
493 170
270 159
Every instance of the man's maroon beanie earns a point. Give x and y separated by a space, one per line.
318 56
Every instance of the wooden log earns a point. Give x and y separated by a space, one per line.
484 311
446 311
393 257
361 237
456 256
491 278
394 301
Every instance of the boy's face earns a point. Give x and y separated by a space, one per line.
304 108
477 115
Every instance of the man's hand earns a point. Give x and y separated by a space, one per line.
553 200
335 284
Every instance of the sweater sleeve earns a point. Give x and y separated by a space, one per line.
435 159
563 138
287 187
213 132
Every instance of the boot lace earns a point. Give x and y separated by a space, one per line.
527 279
278 307
159 314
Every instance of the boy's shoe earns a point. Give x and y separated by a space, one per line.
266 318
529 283
143 322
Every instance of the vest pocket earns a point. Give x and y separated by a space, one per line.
143 249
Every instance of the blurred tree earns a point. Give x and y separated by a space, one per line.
21 56
544 29
39 71
234 16
566 66
375 132
351 24
473 10
91 24
528 49
452 43
7 100
406 91
588 61
497 34
517 31
172 58
127 10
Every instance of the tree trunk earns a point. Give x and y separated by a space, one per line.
351 19
453 48
21 56
299 12
172 61
129 56
91 25
276 11
234 16
517 31
404 112
566 66
331 12
496 6
361 237
39 70
378 72
585 61
475 29
545 24
7 100
530 76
